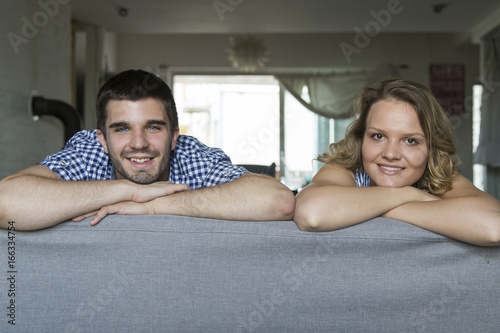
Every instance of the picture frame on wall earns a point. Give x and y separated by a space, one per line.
448 86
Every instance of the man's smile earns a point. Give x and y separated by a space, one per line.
140 160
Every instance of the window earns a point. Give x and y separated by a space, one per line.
478 171
302 137
241 115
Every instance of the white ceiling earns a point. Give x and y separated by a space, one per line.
283 16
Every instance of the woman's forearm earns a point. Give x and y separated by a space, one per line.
472 219
330 207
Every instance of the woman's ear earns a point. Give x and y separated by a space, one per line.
102 140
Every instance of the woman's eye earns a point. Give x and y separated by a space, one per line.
412 141
377 136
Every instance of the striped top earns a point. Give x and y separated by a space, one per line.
362 178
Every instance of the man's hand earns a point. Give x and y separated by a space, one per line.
140 205
121 208
152 191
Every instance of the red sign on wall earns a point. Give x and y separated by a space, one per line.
447 85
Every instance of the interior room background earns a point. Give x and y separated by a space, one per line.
63 59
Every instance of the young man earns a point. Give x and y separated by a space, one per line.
136 162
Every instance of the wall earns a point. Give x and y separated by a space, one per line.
35 55
42 63
314 52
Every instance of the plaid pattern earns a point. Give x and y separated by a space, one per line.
191 162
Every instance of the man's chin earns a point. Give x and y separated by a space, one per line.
142 178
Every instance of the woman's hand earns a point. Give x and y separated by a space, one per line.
421 195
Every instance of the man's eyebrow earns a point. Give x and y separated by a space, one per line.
119 124
156 122
148 123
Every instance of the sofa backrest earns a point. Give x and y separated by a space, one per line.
181 274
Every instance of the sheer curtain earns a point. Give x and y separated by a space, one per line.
93 71
331 95
488 150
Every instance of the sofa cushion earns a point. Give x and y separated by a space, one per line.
181 274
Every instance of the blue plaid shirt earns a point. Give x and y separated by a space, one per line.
191 162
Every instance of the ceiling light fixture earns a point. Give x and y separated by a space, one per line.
438 8
123 12
247 53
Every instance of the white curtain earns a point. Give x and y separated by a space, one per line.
488 150
94 72
332 95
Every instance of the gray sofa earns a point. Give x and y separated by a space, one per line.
180 274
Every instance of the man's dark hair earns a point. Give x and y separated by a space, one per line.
135 85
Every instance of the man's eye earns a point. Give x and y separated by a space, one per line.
154 128
121 129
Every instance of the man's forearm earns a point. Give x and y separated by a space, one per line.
250 197
35 202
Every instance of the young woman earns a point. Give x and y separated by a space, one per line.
398 160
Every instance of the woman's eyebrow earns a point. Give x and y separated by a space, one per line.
371 128
375 129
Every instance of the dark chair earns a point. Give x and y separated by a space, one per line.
269 170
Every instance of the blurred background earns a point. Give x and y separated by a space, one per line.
267 81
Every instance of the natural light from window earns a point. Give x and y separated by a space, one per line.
478 169
241 115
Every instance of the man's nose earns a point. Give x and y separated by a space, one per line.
139 140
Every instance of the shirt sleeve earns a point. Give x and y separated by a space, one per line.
67 164
223 171
199 166
81 159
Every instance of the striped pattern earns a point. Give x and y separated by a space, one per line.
362 178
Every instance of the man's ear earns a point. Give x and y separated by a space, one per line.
175 136
102 140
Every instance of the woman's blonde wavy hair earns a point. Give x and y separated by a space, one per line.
442 161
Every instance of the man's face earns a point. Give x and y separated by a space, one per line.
138 139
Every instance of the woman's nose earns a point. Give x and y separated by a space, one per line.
392 151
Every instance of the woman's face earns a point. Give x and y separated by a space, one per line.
394 148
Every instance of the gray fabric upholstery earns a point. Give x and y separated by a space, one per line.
180 274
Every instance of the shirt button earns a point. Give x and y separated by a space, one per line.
63 163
